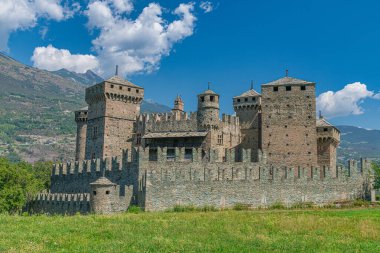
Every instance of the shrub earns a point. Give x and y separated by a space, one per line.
134 209
241 207
303 205
208 208
277 205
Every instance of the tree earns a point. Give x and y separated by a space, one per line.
19 182
376 169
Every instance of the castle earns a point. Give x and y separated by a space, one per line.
274 149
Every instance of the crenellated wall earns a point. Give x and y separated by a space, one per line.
204 180
59 203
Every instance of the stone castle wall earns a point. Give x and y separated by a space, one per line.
59 203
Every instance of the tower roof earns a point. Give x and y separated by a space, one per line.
249 93
322 122
102 181
119 80
209 92
288 81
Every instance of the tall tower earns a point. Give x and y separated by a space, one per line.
328 141
113 106
81 120
289 122
248 109
208 110
179 106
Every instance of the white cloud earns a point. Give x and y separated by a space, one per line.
346 101
51 58
206 6
23 14
137 45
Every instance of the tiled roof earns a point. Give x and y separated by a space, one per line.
288 81
250 93
119 80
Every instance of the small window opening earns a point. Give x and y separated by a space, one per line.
107 192
275 88
152 155
137 91
188 154
170 155
212 98
220 139
111 86
120 87
202 99
288 88
253 99
246 99
94 192
238 99
129 89
325 129
303 87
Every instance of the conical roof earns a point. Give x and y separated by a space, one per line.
322 122
102 181
288 81
119 80
209 92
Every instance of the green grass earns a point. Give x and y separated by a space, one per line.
323 230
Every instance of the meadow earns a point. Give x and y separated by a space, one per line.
314 230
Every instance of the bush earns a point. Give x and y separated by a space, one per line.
134 209
360 202
241 207
277 205
192 208
303 205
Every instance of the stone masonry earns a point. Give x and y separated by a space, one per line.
273 150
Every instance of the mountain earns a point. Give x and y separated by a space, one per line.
89 78
149 106
358 142
36 110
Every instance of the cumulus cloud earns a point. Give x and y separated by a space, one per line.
136 45
51 58
346 101
206 6
23 14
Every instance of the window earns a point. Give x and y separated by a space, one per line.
152 155
202 99
275 88
325 129
303 87
288 88
95 132
137 91
220 139
107 192
138 139
94 192
238 99
246 99
111 86
286 126
129 89
170 154
188 154
253 99
120 87
212 98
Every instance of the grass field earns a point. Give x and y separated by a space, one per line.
354 230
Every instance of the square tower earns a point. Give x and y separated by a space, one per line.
289 122
113 106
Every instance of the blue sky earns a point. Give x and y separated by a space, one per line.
334 43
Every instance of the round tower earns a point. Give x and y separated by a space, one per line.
81 120
208 109
102 197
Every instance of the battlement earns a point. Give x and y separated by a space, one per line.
59 203
230 120
166 117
